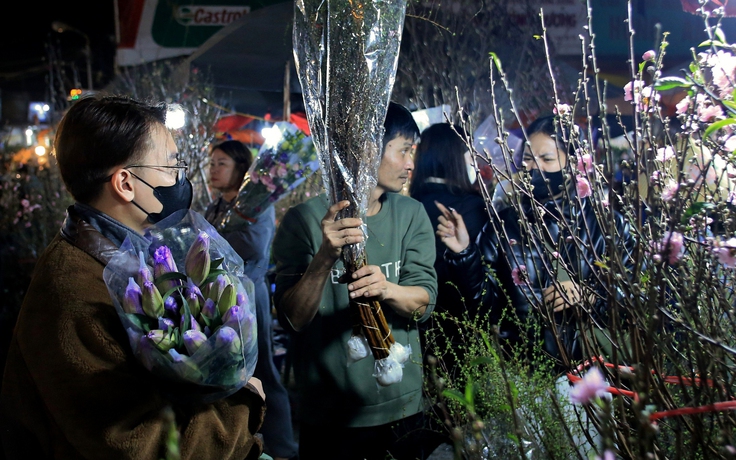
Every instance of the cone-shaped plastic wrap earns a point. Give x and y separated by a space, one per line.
286 159
346 55
186 341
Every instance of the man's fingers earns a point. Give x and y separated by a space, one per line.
334 209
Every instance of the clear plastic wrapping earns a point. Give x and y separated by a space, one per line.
346 55
187 307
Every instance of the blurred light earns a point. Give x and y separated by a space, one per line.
175 117
46 108
29 136
29 132
40 150
271 135
75 94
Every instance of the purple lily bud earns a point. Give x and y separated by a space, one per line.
185 366
193 340
153 304
209 309
193 324
161 339
132 298
218 286
228 338
242 300
163 262
144 273
171 306
233 317
165 324
227 299
197 262
240 319
194 297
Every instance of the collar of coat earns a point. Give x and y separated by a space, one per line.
85 237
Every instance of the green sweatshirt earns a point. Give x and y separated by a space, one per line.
401 242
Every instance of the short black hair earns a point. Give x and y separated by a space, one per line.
99 133
551 126
399 122
241 155
441 153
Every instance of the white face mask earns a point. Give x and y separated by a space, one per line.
472 174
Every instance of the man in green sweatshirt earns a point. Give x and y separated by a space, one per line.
344 413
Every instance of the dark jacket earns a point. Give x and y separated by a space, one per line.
72 387
484 271
473 209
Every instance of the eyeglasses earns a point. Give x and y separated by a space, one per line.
179 171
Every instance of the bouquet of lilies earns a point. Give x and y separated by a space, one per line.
186 305
286 159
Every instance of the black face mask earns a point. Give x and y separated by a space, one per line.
174 198
541 190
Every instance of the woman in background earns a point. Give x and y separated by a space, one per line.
444 173
229 163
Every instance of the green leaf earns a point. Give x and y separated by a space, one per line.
513 437
718 125
213 276
482 360
696 208
496 61
514 391
171 276
143 322
452 393
720 35
216 263
729 104
666 83
642 65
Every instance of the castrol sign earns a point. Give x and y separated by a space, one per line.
206 15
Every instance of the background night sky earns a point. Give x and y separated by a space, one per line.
25 32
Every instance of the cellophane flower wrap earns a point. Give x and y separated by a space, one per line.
286 159
346 54
187 306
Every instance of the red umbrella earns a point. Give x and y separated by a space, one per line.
692 6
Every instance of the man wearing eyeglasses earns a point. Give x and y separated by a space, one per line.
72 387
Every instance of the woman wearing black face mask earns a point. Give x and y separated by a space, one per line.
519 267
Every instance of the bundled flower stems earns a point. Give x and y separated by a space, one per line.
346 55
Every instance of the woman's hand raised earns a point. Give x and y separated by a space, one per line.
451 229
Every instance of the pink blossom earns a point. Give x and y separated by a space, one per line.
562 109
683 106
665 154
268 182
670 190
726 252
604 202
648 55
709 113
730 144
671 246
255 178
583 187
585 163
518 275
591 386
282 171
632 89
655 176
28 224
25 203
607 455
723 68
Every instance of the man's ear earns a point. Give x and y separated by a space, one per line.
121 185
